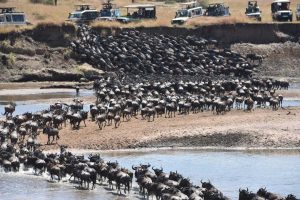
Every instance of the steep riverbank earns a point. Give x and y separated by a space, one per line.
43 53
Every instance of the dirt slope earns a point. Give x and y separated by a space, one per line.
281 59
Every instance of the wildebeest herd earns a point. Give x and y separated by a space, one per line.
136 53
87 172
152 76
117 102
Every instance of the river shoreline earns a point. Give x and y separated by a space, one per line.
259 129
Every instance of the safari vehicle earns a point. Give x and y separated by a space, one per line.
9 16
298 12
188 10
217 9
253 11
110 12
281 10
142 11
83 14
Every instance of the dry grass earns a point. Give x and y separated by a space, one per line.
39 13
9 29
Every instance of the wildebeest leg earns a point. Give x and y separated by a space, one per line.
84 123
48 142
100 125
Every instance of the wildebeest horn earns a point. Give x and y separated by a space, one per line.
161 169
240 190
247 189
153 168
201 181
134 168
148 165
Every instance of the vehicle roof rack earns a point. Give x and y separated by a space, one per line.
7 9
140 6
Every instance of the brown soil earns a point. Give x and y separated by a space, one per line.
29 60
281 59
262 128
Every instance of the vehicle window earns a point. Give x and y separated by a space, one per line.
74 16
182 13
1 18
105 13
198 12
8 18
18 18
89 15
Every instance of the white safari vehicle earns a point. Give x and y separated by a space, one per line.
83 14
253 11
8 16
188 10
281 10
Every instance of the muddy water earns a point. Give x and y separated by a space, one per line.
228 170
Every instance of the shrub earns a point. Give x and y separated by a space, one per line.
49 2
36 1
11 59
3 1
203 3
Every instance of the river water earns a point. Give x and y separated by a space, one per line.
278 170
227 170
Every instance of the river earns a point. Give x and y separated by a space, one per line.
278 170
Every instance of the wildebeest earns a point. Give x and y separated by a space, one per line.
51 132
9 109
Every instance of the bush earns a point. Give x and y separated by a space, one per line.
49 2
3 1
11 59
203 3
36 1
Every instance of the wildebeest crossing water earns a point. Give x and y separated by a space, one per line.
228 170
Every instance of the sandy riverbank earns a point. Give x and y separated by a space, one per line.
261 128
